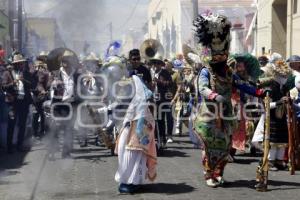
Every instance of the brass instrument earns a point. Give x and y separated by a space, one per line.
152 50
108 141
54 58
263 168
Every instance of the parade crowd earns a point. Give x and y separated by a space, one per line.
218 97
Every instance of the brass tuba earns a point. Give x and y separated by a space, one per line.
55 56
152 49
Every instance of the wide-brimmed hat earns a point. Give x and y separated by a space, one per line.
293 58
91 57
18 58
67 53
281 68
190 55
42 56
40 64
275 57
187 67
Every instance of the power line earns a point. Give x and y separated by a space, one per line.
154 11
59 3
130 16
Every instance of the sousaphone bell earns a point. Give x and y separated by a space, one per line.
152 50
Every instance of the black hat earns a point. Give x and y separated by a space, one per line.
293 58
134 52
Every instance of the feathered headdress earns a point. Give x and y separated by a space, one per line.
213 31
190 55
113 49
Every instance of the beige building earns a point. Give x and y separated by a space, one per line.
170 21
278 27
42 35
4 25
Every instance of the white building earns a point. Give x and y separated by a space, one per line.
170 21
278 27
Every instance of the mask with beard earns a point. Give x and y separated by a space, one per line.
188 78
219 67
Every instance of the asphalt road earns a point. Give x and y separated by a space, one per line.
90 173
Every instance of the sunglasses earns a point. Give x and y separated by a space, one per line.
136 58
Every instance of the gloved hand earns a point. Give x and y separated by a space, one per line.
220 99
263 93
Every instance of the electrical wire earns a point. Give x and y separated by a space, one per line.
130 16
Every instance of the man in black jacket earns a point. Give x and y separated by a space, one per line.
137 68
16 84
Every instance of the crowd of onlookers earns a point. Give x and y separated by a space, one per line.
25 87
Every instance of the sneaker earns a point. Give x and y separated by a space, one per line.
170 140
220 180
272 166
211 183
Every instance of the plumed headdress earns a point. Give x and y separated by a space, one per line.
251 64
281 68
213 31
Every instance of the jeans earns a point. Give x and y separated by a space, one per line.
164 120
18 112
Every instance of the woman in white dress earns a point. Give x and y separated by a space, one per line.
135 147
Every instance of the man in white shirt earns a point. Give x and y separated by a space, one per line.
64 95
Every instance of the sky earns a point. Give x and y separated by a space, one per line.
89 19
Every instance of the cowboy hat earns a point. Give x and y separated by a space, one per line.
18 58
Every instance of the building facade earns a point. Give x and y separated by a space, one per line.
4 25
278 27
42 35
170 21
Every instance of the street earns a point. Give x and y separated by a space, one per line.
90 175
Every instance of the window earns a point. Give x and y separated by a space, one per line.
295 6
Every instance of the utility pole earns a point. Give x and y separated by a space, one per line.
12 22
15 15
20 25
195 15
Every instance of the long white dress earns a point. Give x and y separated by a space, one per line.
132 164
